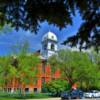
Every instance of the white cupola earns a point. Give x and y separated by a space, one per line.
49 45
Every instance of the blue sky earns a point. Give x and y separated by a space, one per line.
11 38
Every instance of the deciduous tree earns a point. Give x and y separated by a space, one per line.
27 14
75 67
57 86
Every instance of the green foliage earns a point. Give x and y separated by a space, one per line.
5 29
26 68
21 65
76 67
16 96
19 13
5 70
28 65
57 86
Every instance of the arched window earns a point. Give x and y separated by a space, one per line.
45 46
52 46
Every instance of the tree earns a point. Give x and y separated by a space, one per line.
56 86
76 67
26 63
5 29
22 68
96 60
28 67
27 14
6 71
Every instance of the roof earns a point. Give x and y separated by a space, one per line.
49 35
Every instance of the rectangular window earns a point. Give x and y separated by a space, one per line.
26 90
9 89
43 67
35 90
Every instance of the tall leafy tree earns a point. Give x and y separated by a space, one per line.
75 67
26 63
96 59
27 14
28 67
22 68
7 72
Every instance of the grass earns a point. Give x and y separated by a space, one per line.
7 96
8 99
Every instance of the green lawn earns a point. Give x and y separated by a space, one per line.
8 99
6 96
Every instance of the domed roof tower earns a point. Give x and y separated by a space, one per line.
49 45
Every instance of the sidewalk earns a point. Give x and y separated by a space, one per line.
47 99
60 99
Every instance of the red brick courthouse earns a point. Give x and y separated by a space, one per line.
49 47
